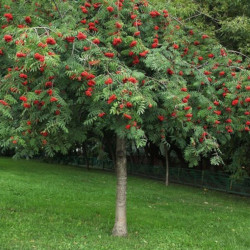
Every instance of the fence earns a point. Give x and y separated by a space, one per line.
199 178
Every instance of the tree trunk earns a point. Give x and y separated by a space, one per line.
120 227
112 153
86 155
167 166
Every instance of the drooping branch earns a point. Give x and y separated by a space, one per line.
237 52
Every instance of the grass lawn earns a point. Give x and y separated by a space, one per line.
44 206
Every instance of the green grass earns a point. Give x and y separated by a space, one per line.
44 206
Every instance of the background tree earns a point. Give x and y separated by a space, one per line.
226 20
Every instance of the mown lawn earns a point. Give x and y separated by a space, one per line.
44 206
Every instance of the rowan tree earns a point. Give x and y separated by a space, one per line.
70 67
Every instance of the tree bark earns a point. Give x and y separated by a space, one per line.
167 166
112 153
120 227
86 155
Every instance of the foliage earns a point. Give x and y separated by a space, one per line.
227 20
79 68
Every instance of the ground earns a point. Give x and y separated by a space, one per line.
44 206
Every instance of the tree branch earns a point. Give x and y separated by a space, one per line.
192 17
58 9
237 52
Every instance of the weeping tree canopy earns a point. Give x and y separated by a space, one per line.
69 67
